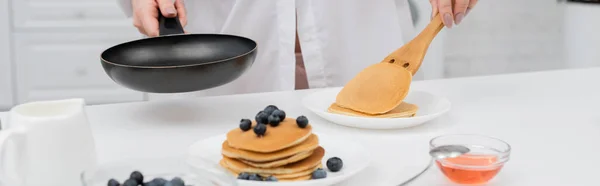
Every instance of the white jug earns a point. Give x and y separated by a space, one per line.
51 145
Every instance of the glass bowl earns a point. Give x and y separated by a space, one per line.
166 168
486 158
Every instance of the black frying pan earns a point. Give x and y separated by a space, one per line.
176 62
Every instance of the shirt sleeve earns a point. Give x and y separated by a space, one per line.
126 7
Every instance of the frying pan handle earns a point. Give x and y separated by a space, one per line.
169 26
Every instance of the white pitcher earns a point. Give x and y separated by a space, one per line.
51 144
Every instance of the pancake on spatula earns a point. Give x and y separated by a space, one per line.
310 162
377 89
381 87
402 111
311 143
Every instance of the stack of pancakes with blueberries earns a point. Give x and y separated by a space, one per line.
274 147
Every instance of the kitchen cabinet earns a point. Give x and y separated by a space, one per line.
51 50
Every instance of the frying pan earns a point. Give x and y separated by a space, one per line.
175 62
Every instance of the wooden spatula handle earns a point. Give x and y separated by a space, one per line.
411 54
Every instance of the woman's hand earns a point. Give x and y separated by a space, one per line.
145 14
452 11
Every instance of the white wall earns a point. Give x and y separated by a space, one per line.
506 36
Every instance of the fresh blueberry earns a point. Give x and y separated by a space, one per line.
335 164
137 176
243 176
302 121
245 124
319 174
280 114
159 181
113 182
260 129
271 178
255 177
130 182
262 117
269 109
177 181
274 120
152 184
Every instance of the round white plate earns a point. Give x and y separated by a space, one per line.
430 107
354 155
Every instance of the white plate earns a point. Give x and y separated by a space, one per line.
354 156
430 107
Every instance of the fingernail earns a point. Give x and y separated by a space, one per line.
459 18
171 11
448 20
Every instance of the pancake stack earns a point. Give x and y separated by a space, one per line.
286 150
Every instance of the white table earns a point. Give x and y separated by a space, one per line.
551 119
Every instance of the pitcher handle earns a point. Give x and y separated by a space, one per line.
6 136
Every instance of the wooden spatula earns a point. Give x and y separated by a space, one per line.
381 87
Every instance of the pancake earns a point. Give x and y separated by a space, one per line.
281 162
311 143
402 111
313 160
285 135
291 177
377 89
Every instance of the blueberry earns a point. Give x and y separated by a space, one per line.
130 182
255 177
137 176
260 129
152 184
319 174
245 124
271 178
280 114
262 117
243 176
177 181
274 120
335 164
113 182
269 109
302 121
159 181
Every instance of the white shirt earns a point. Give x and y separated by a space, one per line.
338 37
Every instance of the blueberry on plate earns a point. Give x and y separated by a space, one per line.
262 117
152 184
243 176
137 176
177 181
319 174
113 182
255 177
269 109
335 164
280 114
260 129
274 120
159 181
271 178
302 121
245 124
130 182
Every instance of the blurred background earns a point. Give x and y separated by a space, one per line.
49 49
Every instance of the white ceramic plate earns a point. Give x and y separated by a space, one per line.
354 156
430 107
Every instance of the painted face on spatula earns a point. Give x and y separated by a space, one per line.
377 89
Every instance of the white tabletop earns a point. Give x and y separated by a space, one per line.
551 119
